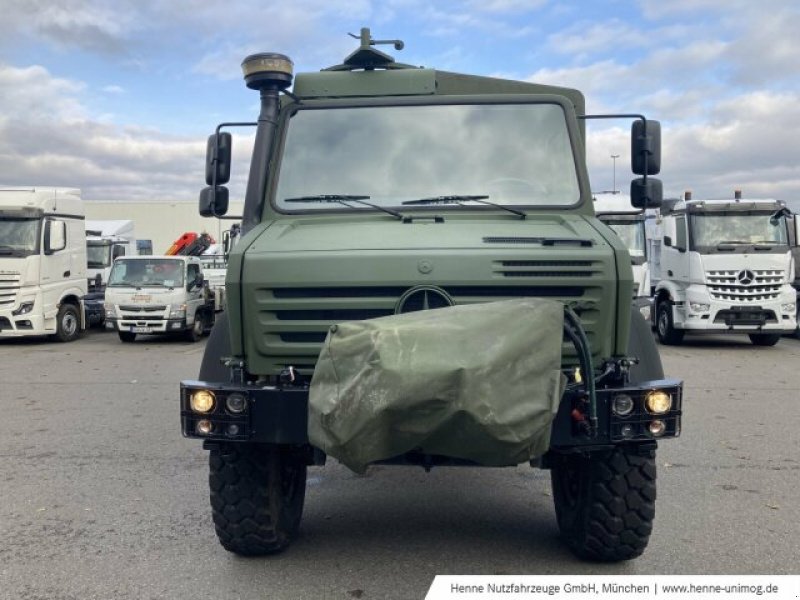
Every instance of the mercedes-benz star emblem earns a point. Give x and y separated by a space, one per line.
423 297
746 277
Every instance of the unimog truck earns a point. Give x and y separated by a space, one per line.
378 189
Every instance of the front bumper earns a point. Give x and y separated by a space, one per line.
280 415
21 325
146 326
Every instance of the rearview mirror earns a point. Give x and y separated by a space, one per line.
214 201
646 149
218 156
646 193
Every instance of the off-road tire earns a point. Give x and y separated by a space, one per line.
257 496
195 332
127 336
605 502
68 323
764 339
665 329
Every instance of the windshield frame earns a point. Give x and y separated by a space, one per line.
99 244
570 121
749 248
24 253
143 284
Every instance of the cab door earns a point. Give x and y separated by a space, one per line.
195 295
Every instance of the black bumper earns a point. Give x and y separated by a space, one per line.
280 415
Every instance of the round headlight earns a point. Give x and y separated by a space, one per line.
622 405
658 402
236 403
202 401
657 428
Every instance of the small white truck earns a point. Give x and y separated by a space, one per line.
42 262
105 241
159 294
615 210
725 267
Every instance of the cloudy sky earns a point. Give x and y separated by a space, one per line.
117 97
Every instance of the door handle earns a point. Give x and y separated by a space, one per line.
67 273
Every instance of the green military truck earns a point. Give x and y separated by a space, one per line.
378 188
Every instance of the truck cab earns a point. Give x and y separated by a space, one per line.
615 210
725 267
42 263
158 295
377 189
105 242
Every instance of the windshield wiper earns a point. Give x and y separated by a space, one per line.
343 199
460 200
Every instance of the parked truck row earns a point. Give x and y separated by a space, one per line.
60 273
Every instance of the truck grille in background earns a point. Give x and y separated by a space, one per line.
766 285
9 287
293 322
141 309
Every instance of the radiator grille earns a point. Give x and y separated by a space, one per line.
758 286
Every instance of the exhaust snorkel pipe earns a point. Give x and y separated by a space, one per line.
269 73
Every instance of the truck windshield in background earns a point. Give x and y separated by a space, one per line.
144 272
711 230
513 154
632 234
19 236
98 255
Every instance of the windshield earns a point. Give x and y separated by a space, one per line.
510 154
19 236
632 235
98 255
164 272
736 229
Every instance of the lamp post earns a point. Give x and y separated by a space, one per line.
614 157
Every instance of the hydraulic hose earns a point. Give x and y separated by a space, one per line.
575 331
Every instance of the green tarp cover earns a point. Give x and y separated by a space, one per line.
478 382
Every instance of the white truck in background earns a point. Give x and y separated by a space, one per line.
42 262
615 210
105 241
159 294
725 267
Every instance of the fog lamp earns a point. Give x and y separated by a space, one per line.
233 429
622 405
699 307
627 431
657 428
205 427
658 402
23 309
236 403
202 401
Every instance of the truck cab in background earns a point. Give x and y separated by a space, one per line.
725 267
158 294
105 241
42 262
615 210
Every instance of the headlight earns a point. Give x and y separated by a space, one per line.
178 312
622 405
236 403
788 308
202 401
658 402
23 309
699 307
110 314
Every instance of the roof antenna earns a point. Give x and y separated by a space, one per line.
367 41
369 58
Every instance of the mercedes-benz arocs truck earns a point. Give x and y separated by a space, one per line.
378 189
42 262
725 267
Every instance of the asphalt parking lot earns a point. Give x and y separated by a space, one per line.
103 498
